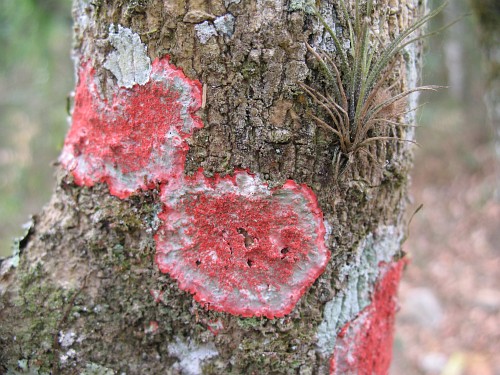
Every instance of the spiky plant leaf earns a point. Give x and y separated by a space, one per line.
360 104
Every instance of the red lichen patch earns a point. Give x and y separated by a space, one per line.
137 138
240 247
157 295
215 326
151 328
364 346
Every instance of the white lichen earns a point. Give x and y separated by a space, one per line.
69 355
222 25
23 364
328 230
360 277
205 31
96 369
413 62
303 5
191 356
81 23
129 62
225 24
66 339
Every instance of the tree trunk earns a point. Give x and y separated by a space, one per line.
200 223
487 13
454 53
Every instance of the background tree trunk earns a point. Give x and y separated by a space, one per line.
488 15
85 293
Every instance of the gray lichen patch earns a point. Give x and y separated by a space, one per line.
205 31
95 369
223 25
191 356
129 61
303 5
323 39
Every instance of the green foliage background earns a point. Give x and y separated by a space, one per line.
36 75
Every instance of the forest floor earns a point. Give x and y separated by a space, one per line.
449 317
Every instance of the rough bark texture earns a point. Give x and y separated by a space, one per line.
84 293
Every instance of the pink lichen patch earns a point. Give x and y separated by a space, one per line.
137 138
239 246
215 326
364 346
157 295
151 328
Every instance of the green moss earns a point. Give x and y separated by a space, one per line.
276 358
248 322
301 5
286 342
95 369
251 69
35 320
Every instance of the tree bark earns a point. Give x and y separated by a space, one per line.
94 287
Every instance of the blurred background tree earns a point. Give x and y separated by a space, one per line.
449 322
36 76
487 13
453 123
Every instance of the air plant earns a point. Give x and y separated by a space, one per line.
357 104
